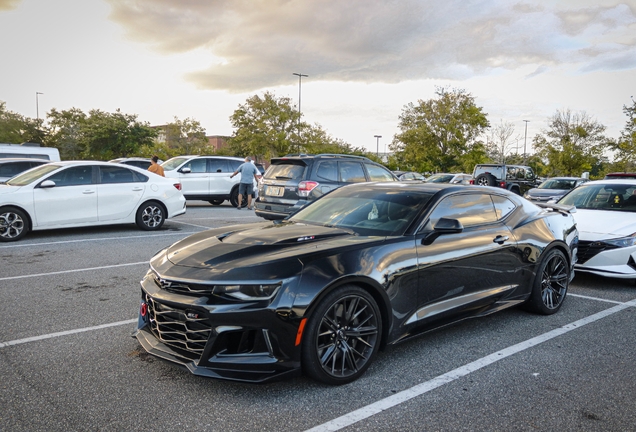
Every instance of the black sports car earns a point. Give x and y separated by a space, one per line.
364 266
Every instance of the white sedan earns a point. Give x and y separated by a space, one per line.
606 219
86 193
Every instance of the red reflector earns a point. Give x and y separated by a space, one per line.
301 327
178 186
143 310
471 181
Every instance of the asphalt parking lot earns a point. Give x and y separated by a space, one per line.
69 301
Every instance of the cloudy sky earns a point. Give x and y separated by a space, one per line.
365 60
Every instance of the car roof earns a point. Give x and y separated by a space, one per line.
625 181
6 160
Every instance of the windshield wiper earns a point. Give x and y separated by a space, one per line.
283 178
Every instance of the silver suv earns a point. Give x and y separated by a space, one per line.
206 178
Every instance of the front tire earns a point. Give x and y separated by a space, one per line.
150 216
14 224
342 336
550 284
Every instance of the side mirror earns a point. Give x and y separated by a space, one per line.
47 184
443 226
185 170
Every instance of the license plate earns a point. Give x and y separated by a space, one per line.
276 191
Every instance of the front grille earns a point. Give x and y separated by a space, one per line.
187 331
588 250
181 287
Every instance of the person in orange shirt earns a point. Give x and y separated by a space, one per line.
155 167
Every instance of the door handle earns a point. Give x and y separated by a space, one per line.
88 192
137 189
500 239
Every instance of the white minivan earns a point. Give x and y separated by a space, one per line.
30 151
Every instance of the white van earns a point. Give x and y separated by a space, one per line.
29 150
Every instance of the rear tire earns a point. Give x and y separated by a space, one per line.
342 336
234 197
216 202
14 224
150 216
550 284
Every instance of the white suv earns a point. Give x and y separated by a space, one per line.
206 178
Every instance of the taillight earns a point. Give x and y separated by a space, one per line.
502 184
471 181
178 186
305 187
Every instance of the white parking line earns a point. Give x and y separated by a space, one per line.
91 240
594 298
72 271
64 333
418 390
194 225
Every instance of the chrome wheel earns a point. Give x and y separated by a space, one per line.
150 216
343 336
13 225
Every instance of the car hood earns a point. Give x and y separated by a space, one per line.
547 192
6 189
241 247
604 224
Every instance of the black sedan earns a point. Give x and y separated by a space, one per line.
365 266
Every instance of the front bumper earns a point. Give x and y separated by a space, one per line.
610 262
249 344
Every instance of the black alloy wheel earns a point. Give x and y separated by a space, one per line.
550 284
234 197
150 216
342 336
13 224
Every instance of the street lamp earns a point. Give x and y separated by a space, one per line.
37 106
524 142
300 78
377 150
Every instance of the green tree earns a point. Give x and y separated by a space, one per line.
439 134
65 132
625 147
18 129
187 137
572 144
109 135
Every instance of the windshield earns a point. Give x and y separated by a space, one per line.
616 197
440 178
173 163
32 175
366 210
563 184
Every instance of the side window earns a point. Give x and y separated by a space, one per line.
521 173
503 206
234 164
511 173
197 165
351 172
116 174
377 173
328 170
529 174
218 166
13 168
469 209
80 175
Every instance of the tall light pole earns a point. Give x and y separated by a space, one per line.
377 150
525 138
37 105
300 78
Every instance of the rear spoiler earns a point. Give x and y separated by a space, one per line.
563 209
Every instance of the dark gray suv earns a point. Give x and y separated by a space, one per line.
293 181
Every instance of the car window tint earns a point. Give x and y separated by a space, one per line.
218 166
351 172
469 209
285 171
197 165
377 173
115 174
529 174
234 164
503 206
328 170
12 168
80 175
